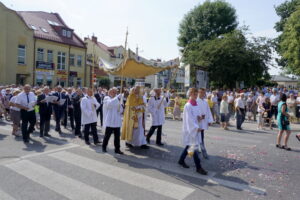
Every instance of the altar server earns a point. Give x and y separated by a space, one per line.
156 107
112 118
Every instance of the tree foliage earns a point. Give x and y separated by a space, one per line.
232 58
104 82
289 45
207 21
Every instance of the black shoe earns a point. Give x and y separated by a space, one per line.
148 140
145 147
80 136
159 144
97 143
119 152
47 135
41 135
201 171
26 141
87 142
183 164
104 150
129 145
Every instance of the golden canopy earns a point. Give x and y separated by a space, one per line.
134 66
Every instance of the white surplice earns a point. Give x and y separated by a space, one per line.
190 125
204 110
112 112
138 134
156 107
89 106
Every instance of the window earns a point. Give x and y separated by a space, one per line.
61 60
33 27
78 82
21 54
79 60
69 34
44 30
40 54
72 59
50 56
64 32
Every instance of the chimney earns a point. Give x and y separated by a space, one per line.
94 39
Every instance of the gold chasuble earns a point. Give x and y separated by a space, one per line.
130 120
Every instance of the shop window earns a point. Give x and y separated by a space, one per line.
21 54
61 60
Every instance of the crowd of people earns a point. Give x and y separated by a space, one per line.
124 114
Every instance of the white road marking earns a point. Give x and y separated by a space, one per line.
4 195
61 184
68 146
155 185
172 168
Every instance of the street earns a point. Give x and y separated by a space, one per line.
242 165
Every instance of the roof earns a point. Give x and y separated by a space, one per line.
105 48
279 78
48 26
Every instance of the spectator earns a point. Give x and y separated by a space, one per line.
260 109
267 114
176 110
15 115
224 111
283 124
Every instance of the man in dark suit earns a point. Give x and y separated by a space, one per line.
69 111
76 98
45 111
100 96
59 108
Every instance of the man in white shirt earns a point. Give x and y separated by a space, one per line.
240 112
112 119
275 98
26 101
156 107
89 106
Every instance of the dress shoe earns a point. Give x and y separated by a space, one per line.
104 150
148 140
47 135
119 152
145 147
26 141
159 144
98 143
87 142
183 164
201 171
129 145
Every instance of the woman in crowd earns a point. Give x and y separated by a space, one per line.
250 103
176 110
298 107
210 104
224 110
15 115
267 114
260 109
283 123
291 104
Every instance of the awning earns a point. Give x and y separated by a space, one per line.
134 66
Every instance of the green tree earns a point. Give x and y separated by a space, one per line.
284 11
207 21
104 82
289 45
232 58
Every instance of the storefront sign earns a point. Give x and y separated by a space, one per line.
44 65
61 72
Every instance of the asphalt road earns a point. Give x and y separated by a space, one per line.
242 165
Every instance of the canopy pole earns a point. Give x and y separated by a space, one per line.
123 63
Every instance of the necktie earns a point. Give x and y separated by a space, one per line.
27 98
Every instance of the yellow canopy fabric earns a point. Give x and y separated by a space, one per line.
134 66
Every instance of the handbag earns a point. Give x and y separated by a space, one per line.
265 115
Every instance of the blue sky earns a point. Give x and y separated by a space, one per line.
153 24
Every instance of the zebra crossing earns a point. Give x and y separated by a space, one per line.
71 188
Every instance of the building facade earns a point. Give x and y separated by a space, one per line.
43 50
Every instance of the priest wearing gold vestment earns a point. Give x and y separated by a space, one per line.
133 129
